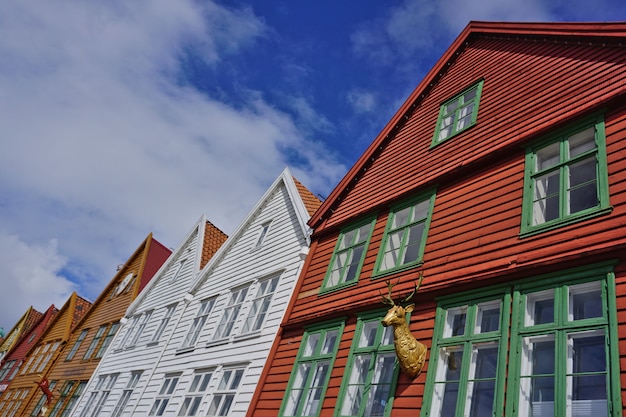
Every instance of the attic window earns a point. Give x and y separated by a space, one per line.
458 113
264 228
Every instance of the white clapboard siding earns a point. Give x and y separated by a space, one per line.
237 263
159 293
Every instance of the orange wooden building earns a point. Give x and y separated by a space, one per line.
501 179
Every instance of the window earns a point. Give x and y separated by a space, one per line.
16 369
264 228
6 369
559 355
566 177
31 358
134 321
311 372
347 259
260 304
225 392
46 355
128 391
198 322
169 311
77 344
458 113
225 327
197 389
467 354
95 341
13 400
107 340
70 393
369 382
42 400
99 395
167 389
177 270
405 235
145 317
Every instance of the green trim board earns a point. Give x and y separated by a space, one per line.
345 265
561 349
566 177
458 114
404 240
311 371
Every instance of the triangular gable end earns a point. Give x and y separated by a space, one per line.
598 32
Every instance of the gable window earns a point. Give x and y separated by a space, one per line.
458 113
225 327
311 372
76 345
107 339
348 256
177 270
260 304
206 306
167 315
225 392
566 177
262 234
371 373
95 342
560 360
405 235
164 396
197 389
128 391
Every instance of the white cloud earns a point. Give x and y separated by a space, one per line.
101 145
30 276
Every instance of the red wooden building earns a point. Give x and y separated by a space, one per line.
502 180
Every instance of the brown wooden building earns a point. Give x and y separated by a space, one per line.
91 336
502 180
41 356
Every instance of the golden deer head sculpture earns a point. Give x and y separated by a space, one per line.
411 354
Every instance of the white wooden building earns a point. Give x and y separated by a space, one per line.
208 359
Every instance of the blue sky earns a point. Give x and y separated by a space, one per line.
121 118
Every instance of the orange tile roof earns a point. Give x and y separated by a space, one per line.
213 239
311 202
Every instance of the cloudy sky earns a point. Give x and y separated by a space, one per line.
121 118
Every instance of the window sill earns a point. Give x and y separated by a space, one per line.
185 350
557 224
217 342
338 287
250 335
381 274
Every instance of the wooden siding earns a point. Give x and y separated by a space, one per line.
581 78
240 264
532 86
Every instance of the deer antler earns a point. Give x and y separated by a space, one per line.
387 299
415 289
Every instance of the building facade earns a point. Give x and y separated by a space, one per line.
501 182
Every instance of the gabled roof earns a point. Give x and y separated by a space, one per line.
297 195
609 33
211 238
28 320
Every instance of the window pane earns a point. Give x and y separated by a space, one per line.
368 334
585 301
548 157
540 308
329 342
583 193
546 198
401 217
487 317
581 142
455 322
311 344
413 243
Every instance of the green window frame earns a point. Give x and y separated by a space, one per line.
348 256
566 177
458 113
311 372
467 363
95 342
107 340
405 235
371 374
77 344
561 350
